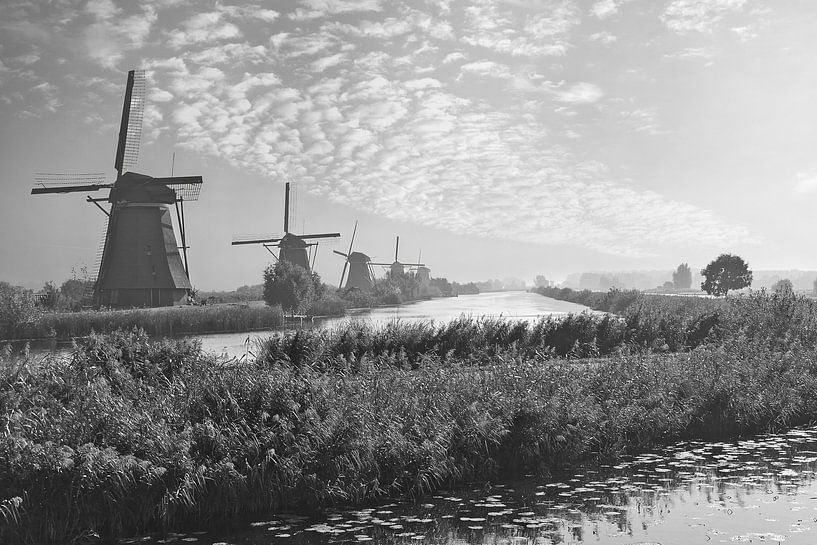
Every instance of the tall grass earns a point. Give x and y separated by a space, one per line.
129 434
167 321
651 323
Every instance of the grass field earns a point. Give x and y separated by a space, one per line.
129 434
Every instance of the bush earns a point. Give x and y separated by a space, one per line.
18 309
290 286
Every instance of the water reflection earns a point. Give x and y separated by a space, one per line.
755 491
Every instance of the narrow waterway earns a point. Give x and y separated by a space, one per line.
513 305
759 490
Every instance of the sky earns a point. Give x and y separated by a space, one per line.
496 138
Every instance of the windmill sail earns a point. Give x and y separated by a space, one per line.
68 183
130 128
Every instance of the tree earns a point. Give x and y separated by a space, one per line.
17 307
290 286
783 287
540 281
727 272
50 297
74 291
682 277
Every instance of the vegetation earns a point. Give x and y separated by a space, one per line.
18 308
727 272
540 281
167 321
129 435
290 286
614 300
397 289
783 286
243 294
682 277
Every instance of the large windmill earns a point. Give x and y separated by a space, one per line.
140 265
292 248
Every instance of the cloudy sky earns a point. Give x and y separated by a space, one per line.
504 137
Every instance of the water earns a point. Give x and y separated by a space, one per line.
516 305
761 490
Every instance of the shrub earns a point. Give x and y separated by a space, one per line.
290 286
18 309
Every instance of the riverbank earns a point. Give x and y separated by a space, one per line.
130 435
245 317
157 322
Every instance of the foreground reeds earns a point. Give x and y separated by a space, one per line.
129 434
158 322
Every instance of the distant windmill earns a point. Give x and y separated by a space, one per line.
360 268
423 272
292 248
397 268
140 263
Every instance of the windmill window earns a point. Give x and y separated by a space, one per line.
148 250
153 269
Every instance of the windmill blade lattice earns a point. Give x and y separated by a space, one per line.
130 129
47 182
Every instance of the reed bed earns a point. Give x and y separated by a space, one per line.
660 324
169 321
130 435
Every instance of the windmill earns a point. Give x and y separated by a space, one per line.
397 268
423 272
140 264
360 268
292 248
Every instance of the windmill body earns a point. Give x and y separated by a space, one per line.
423 276
359 266
360 272
292 248
140 265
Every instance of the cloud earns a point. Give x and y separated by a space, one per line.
321 8
685 16
203 27
693 53
251 12
580 93
111 35
413 151
604 37
323 63
805 183
544 33
470 116
604 8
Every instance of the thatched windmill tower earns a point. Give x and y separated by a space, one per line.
292 247
140 264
